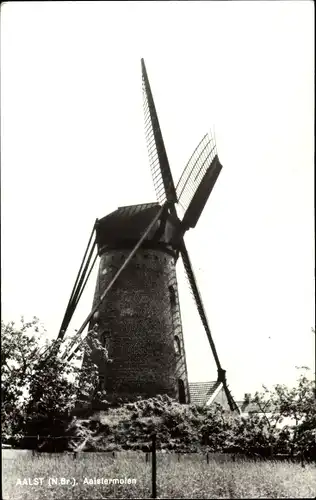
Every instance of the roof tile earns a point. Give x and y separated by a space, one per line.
200 392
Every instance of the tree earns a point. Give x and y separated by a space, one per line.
298 406
39 388
20 348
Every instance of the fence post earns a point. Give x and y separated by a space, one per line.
147 457
154 467
36 445
207 458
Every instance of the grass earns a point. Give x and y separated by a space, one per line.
190 477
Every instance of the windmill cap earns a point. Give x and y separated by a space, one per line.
127 223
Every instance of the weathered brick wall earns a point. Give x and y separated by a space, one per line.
139 320
181 367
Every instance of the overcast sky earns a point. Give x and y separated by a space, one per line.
73 149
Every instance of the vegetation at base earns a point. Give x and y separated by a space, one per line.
189 428
39 392
39 389
191 477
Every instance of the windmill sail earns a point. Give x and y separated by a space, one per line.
197 180
159 164
198 300
80 283
155 233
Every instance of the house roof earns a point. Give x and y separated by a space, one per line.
200 392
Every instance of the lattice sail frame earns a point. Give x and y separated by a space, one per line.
158 160
153 154
195 170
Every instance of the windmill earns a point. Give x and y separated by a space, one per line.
136 302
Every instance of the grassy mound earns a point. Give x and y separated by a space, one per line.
129 427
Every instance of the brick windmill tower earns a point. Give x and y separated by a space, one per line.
136 301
